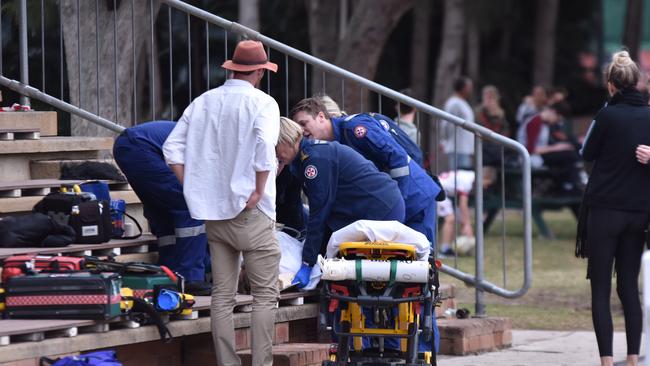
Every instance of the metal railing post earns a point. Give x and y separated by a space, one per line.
22 26
478 206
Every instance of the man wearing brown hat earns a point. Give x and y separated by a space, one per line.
223 151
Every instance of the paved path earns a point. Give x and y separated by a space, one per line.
545 348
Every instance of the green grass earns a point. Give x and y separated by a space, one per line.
559 298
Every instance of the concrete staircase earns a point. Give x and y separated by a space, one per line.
27 160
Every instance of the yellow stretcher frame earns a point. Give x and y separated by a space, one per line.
406 311
375 249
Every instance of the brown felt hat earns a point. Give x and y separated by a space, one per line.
249 56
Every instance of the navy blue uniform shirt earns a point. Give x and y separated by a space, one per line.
342 187
367 136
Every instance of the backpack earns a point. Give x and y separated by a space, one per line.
100 358
411 148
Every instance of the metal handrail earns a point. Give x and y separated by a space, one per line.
480 132
34 93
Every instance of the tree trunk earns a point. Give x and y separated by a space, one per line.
249 14
323 35
420 48
451 51
359 52
544 54
633 27
84 57
473 45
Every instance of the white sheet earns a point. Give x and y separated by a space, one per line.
369 230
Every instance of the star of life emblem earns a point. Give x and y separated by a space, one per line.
360 132
311 172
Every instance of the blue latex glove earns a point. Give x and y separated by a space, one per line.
302 277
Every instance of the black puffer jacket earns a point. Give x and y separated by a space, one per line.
618 180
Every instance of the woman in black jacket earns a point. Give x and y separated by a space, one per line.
616 207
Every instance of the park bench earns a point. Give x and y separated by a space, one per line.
492 201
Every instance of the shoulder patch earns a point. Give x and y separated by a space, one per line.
384 124
311 172
360 132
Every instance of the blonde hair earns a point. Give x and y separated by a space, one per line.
290 131
623 71
492 90
330 105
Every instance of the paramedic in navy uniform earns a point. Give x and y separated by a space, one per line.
341 187
182 243
370 137
616 206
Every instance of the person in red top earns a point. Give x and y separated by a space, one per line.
551 146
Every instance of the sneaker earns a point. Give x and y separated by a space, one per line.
446 253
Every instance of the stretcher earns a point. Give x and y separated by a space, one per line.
374 293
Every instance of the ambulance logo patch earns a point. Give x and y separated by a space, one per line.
360 132
384 124
311 172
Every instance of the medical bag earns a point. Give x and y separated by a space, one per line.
91 222
18 265
99 358
74 295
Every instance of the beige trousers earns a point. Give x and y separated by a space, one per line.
251 233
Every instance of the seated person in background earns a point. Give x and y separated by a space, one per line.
458 185
182 243
341 187
531 105
490 115
551 146
370 137
405 118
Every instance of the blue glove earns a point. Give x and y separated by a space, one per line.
302 277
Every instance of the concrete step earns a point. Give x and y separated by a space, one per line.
51 168
56 144
474 335
293 354
46 122
15 156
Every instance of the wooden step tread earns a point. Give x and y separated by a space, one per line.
56 183
44 121
26 203
56 144
144 240
116 337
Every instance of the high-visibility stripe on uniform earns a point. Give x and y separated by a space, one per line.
186 232
401 171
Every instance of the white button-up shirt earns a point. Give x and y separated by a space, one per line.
464 141
224 137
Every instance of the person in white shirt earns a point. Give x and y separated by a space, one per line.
458 184
223 151
458 143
